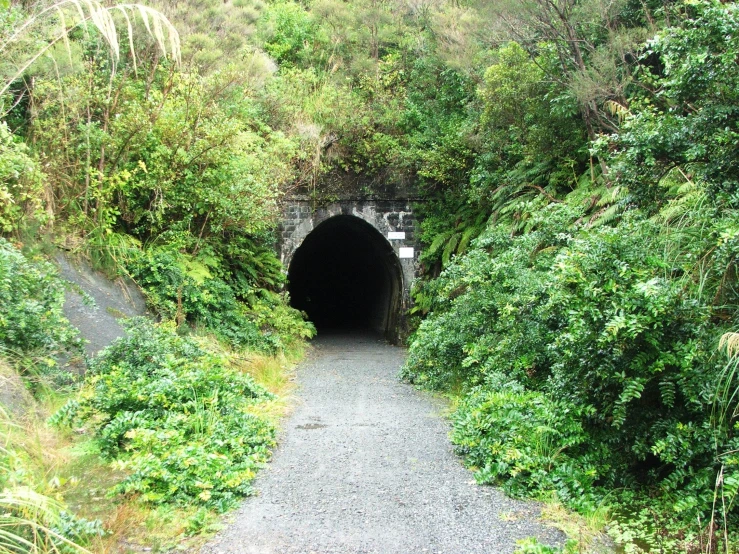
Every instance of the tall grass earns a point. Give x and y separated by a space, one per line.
72 14
725 420
275 373
28 518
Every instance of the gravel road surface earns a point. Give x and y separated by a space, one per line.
365 466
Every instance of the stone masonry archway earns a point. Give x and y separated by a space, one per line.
351 264
345 275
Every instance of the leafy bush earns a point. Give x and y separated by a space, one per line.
31 299
486 314
525 441
228 301
175 417
21 185
630 345
587 362
287 31
33 327
690 123
273 312
181 288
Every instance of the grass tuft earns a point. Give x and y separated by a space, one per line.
588 531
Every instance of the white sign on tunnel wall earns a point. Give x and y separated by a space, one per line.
405 252
396 235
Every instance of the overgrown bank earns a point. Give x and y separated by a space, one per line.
170 178
590 369
578 165
164 427
590 329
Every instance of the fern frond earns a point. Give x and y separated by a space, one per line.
607 215
611 195
449 249
464 242
437 243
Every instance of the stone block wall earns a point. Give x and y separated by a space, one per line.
391 218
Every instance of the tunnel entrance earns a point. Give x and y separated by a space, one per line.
345 275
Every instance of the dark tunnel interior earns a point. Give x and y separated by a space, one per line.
345 275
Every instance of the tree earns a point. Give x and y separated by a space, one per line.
595 44
688 125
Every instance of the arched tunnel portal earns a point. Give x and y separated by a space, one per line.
346 275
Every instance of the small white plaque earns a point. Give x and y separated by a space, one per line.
405 252
396 235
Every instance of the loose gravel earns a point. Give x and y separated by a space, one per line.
365 466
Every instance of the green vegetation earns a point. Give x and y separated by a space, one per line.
162 421
588 367
582 325
577 164
32 331
32 324
175 418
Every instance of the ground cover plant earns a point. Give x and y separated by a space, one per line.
175 417
173 427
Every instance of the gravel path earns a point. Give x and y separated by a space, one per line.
365 466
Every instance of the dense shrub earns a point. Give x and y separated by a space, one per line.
21 185
690 122
287 31
587 361
527 442
31 298
175 417
487 308
630 344
227 301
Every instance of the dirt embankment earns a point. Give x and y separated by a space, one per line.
94 303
